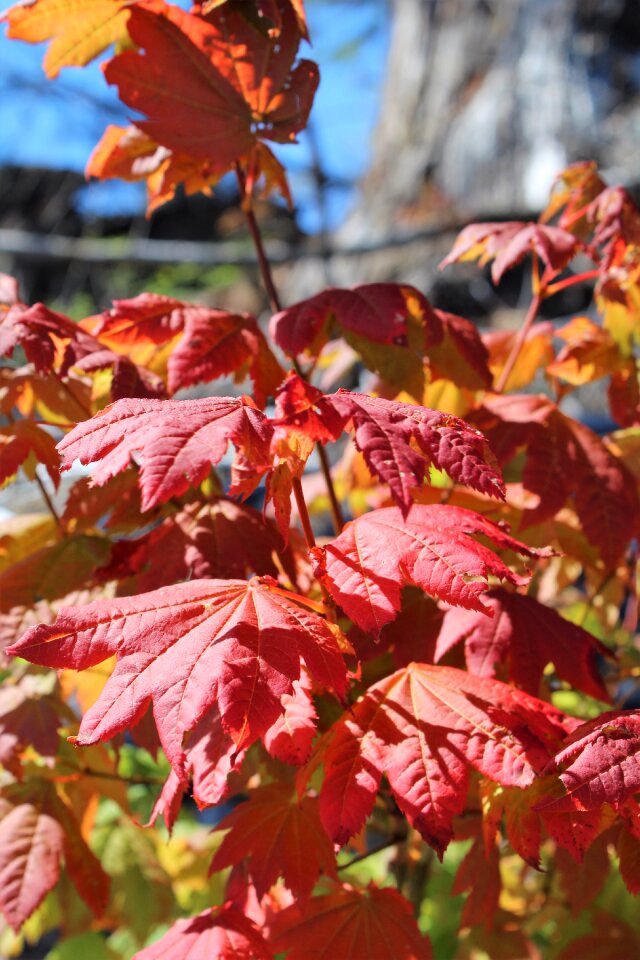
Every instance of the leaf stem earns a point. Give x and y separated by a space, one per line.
571 281
49 502
276 306
518 343
254 230
303 513
336 510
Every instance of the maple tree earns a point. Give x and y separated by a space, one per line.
428 704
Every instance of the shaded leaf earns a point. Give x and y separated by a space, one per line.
52 572
525 636
351 924
221 539
24 444
281 835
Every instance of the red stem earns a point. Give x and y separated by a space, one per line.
571 281
274 300
518 343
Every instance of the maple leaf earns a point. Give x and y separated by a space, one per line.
177 441
507 244
202 540
79 30
461 355
270 10
572 192
36 330
564 459
221 932
431 548
25 444
290 737
600 764
52 571
214 343
424 727
185 648
351 924
384 430
526 636
589 353
536 352
211 757
126 153
29 716
37 830
282 835
479 872
390 325
223 70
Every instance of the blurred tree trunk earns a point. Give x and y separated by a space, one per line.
483 102
486 99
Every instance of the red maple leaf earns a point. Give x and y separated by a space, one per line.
351 924
384 430
214 343
175 441
185 648
229 85
221 539
36 329
599 764
431 548
37 830
509 243
424 727
526 636
221 932
381 312
281 835
564 459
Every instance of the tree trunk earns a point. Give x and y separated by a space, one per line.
484 102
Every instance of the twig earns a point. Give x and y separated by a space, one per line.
274 300
47 499
518 343
256 236
394 841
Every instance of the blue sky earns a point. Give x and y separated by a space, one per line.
57 123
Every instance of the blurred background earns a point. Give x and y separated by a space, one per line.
430 113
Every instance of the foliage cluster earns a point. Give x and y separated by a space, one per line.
453 666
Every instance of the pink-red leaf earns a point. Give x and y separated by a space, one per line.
222 933
175 441
424 727
601 764
380 312
185 648
508 243
525 636
431 548
384 430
